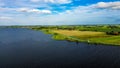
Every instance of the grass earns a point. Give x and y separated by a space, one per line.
114 40
84 36
77 33
81 34
92 34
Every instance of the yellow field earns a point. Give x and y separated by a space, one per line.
86 36
81 34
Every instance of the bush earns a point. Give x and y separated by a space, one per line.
55 33
113 33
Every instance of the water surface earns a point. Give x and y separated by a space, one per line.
25 48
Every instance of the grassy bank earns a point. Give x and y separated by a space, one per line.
97 34
84 36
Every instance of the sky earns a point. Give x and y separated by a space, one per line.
59 12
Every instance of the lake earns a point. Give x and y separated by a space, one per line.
26 48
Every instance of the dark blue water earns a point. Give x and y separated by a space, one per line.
25 48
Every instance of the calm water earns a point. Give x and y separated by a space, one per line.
25 48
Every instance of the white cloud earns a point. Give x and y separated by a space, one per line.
109 5
53 1
33 10
5 18
22 9
25 10
90 14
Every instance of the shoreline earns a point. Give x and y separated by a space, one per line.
60 37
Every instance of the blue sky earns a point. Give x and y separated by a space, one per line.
59 12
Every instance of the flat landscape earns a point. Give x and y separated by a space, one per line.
59 33
90 36
105 34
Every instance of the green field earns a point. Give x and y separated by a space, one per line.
87 36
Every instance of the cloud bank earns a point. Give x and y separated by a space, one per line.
58 12
33 10
109 5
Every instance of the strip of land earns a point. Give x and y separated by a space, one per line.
85 36
88 36
109 35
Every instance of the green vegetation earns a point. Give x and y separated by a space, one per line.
96 34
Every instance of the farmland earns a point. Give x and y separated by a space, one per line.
97 34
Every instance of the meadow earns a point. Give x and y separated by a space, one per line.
87 36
